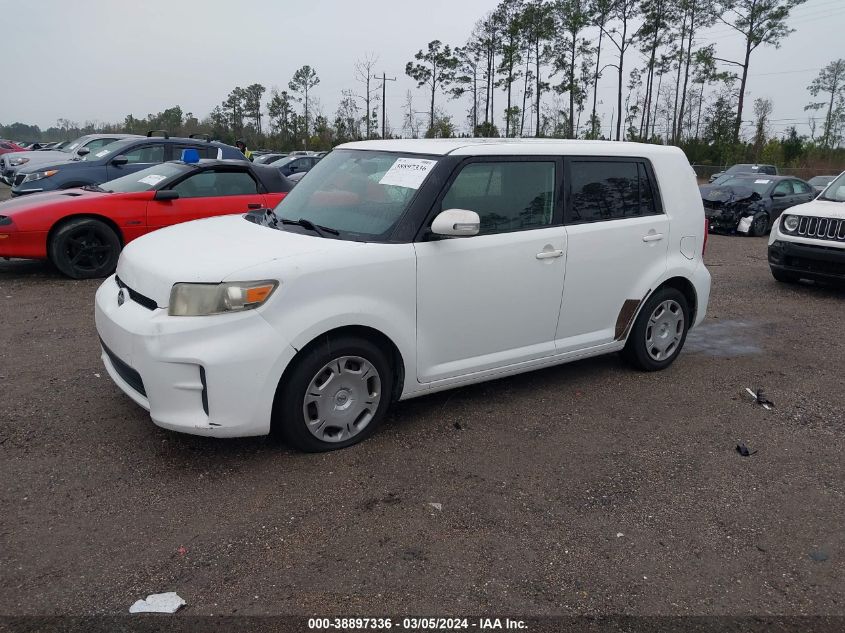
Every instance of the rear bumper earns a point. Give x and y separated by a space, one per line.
819 263
213 376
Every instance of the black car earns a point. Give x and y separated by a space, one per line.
746 168
820 182
115 160
750 204
295 164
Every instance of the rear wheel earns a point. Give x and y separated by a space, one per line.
335 395
85 249
659 332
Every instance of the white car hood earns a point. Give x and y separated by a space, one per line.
819 209
209 250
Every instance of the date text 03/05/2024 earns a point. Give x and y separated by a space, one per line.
414 624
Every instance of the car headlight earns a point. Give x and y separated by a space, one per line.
187 299
790 223
38 175
14 162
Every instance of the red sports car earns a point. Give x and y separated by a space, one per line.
9 146
83 230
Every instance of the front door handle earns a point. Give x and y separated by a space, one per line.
653 237
549 254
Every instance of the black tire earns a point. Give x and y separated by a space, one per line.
636 351
289 409
784 277
759 224
85 248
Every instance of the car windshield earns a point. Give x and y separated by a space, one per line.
361 194
282 161
835 191
759 185
145 179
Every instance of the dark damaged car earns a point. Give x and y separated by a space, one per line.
749 204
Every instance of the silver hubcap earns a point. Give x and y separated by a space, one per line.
665 329
342 399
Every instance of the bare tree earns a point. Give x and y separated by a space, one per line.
364 69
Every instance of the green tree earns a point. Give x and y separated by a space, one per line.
622 35
252 104
572 18
234 106
759 22
831 80
762 113
282 116
434 68
507 15
304 80
539 27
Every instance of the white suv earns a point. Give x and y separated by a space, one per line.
400 268
808 242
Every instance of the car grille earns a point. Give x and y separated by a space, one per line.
129 375
821 228
137 297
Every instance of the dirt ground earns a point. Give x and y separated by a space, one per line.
582 489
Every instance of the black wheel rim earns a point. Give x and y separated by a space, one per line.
87 249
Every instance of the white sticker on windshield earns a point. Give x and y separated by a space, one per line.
152 179
762 181
102 153
407 172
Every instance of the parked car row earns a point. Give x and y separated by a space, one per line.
82 230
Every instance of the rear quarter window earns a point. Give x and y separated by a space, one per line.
610 190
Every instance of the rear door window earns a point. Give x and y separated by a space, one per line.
610 190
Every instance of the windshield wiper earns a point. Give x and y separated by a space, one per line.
309 225
95 188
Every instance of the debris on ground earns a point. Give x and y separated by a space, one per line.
819 556
436 506
742 449
619 535
760 398
458 426
182 550
168 602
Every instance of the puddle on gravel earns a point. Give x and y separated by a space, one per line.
724 338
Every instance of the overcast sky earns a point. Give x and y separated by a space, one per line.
102 59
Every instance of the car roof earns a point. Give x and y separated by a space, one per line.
772 177
492 146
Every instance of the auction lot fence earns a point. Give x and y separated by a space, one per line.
703 172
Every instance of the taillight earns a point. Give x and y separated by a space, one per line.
706 232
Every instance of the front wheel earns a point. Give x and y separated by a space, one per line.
659 332
85 249
336 395
759 225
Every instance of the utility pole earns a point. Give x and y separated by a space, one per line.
384 79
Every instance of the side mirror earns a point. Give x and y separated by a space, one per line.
456 223
83 151
119 160
166 194
778 194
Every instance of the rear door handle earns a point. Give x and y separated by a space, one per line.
549 254
653 237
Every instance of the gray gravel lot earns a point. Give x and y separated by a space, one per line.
582 489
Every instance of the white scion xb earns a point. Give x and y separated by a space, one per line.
398 268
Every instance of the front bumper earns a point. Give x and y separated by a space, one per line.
213 376
808 261
23 244
722 220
